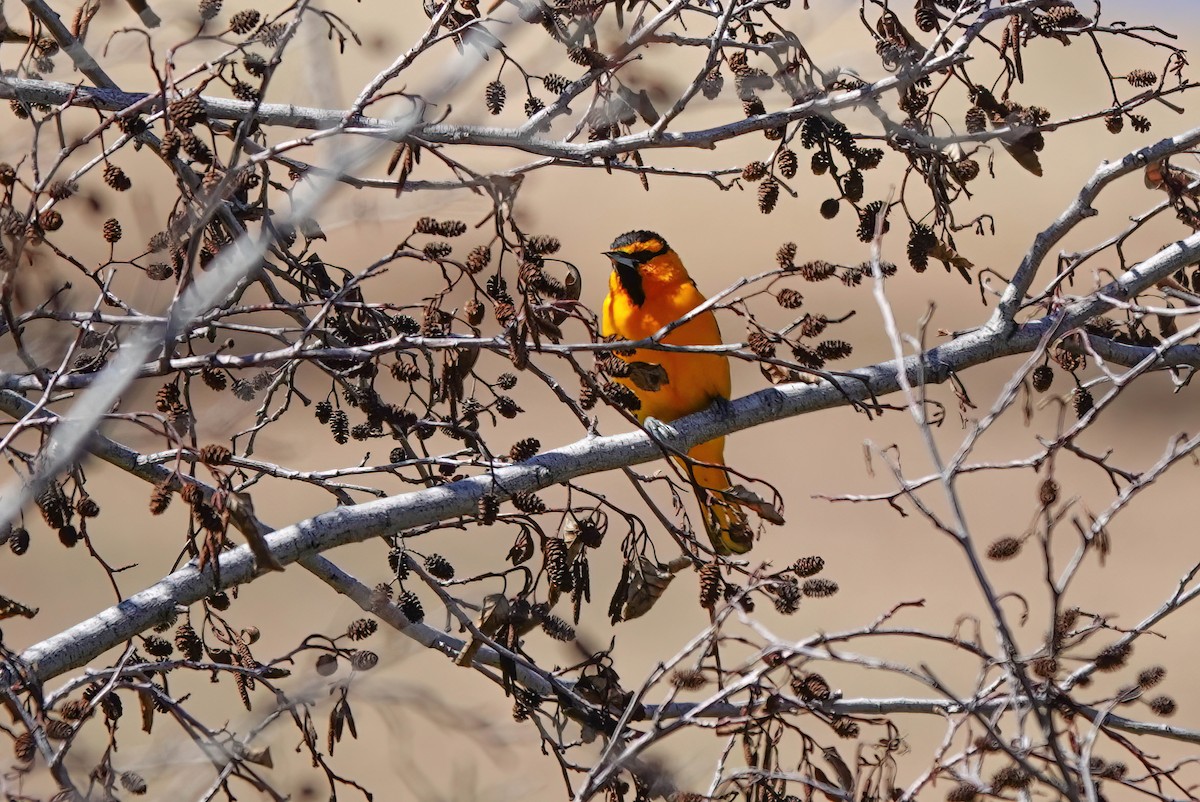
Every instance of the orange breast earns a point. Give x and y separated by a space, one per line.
693 380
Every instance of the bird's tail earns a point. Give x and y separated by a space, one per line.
724 519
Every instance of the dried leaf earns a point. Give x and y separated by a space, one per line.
844 776
522 547
146 704
457 364
648 581
11 609
1023 152
648 376
258 755
543 323
744 497
952 258
239 508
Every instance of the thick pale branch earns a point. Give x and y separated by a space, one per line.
82 643
1079 210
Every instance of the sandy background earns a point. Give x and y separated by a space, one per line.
429 731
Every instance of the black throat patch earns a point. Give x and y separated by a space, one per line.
631 281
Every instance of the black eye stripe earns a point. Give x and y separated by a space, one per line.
641 257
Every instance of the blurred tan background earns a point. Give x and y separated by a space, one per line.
429 731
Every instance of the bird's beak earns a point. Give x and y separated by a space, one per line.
621 259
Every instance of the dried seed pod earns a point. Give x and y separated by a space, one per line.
1140 123
195 149
542 245
524 449
921 240
787 597
711 585
215 454
159 271
976 120
244 22
834 349
844 727
326 665
1113 657
1004 548
556 84
785 254
1114 122
688 679
160 497
854 186
1142 78
1048 492
478 259
187 111
339 425
816 270
754 171
61 190
1068 360
68 535
811 687
557 628
926 17
622 396
760 344
529 503
768 195
506 407
533 105
790 299
964 170
170 144
439 567
111 230
812 326
1082 401
133 782
869 220
1149 677
913 100
188 643
158 647
558 569
364 660
1163 706
494 95
116 178
25 747
712 83
488 510
87 507
1044 667
18 540
830 208
1042 378
1012 776
807 566
246 92
818 588
787 163
963 792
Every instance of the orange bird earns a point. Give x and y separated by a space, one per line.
648 289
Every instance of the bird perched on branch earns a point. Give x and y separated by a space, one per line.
649 288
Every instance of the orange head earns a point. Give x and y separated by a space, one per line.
637 254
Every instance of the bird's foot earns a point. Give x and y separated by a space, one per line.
660 430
